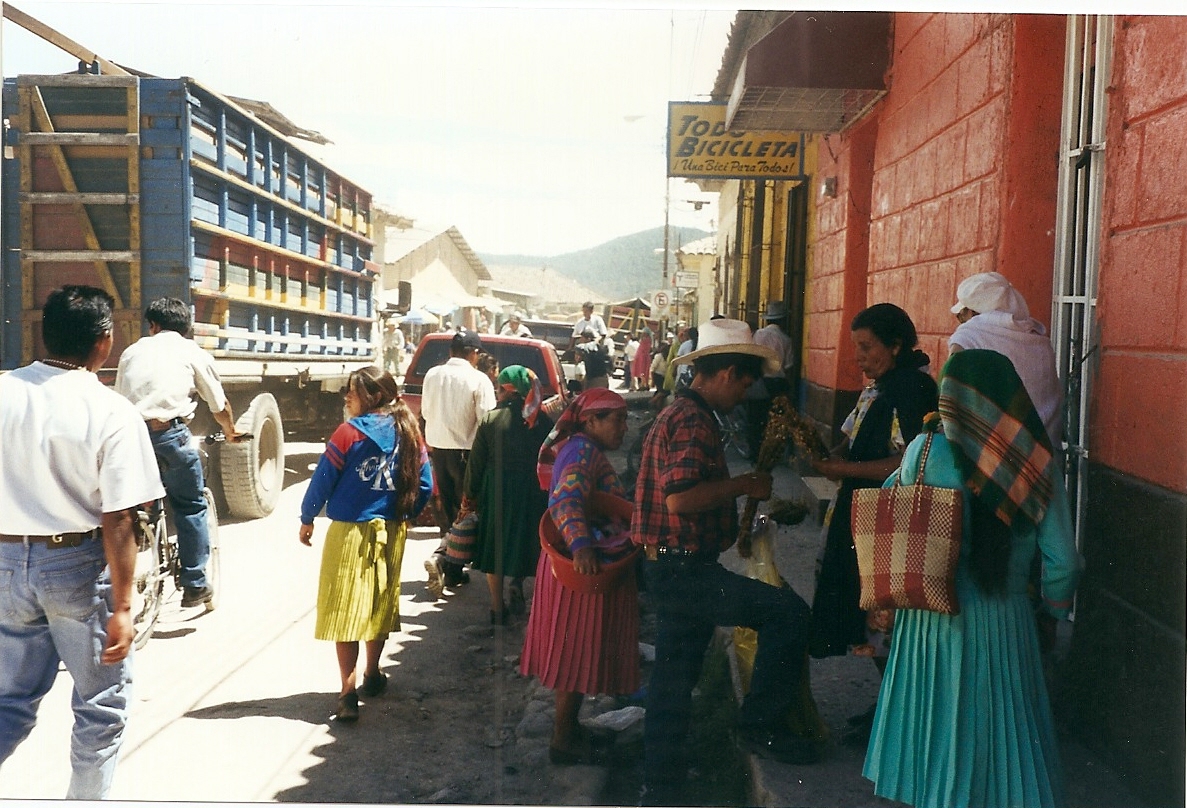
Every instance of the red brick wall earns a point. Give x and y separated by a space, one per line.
1138 421
839 255
965 165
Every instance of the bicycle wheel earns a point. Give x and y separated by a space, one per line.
735 430
148 583
213 566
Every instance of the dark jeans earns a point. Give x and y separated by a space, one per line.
449 472
692 597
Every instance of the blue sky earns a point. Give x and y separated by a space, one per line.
533 130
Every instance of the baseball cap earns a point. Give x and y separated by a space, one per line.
467 339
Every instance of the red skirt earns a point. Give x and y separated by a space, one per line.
582 643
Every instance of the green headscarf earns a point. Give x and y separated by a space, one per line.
524 382
1005 454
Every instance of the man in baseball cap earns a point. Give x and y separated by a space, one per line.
454 398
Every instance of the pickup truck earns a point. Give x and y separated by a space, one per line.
536 354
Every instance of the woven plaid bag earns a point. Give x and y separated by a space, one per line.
908 542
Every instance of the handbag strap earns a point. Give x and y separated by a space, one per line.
923 457
898 478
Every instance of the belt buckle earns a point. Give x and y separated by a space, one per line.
56 540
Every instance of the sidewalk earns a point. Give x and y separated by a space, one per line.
845 686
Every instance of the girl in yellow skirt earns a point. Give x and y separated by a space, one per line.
372 478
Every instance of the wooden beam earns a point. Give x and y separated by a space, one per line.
65 256
60 40
79 139
58 157
66 198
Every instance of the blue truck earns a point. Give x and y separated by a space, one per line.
156 187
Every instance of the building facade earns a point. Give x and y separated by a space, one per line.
1045 148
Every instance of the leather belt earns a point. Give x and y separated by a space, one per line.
54 542
161 424
658 552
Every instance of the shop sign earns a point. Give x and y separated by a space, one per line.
687 280
700 146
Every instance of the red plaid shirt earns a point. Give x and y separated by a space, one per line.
682 450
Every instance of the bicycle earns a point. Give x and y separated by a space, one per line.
733 432
158 558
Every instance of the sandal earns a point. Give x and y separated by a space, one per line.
373 685
348 708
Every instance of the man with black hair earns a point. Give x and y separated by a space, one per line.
159 375
685 516
75 460
592 352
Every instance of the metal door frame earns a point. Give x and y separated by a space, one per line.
1074 334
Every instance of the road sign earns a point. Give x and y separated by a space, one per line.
687 280
660 302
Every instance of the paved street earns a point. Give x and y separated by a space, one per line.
233 705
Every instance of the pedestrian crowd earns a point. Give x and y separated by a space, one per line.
523 488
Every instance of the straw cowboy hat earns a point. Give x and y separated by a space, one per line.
730 337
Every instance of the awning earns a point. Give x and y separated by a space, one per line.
439 301
817 71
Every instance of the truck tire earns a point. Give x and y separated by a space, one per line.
253 470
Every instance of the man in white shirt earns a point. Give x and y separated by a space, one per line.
759 395
589 320
994 316
514 327
75 461
454 398
629 351
159 375
393 347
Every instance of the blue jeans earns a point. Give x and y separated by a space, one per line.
691 598
181 474
54 606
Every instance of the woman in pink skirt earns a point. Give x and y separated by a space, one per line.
578 642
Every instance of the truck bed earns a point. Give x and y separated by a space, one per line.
153 187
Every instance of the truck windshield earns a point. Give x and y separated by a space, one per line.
436 352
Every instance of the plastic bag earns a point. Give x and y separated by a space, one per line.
803 717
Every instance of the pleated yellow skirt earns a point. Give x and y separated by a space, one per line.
358 593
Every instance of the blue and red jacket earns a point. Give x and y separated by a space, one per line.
357 476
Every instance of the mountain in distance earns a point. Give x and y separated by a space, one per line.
622 268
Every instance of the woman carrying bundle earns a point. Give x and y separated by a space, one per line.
583 642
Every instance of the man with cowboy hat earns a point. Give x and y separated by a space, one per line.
685 516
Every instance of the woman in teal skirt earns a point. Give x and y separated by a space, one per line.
373 476
963 717
501 481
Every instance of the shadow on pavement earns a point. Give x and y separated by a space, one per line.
310 708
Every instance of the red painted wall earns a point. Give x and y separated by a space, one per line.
965 165
1140 393
839 255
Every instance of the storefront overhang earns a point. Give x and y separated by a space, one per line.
817 71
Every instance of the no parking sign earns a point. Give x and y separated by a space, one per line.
661 301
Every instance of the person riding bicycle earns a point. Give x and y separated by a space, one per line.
159 374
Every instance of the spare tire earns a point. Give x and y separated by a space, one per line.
253 470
